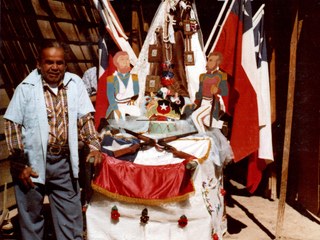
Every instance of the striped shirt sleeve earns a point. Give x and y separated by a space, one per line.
88 133
12 132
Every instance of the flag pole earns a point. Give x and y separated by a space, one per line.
288 127
224 21
258 12
215 26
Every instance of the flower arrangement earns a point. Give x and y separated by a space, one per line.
215 236
144 216
223 192
183 221
114 213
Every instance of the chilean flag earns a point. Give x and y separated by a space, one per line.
257 160
236 43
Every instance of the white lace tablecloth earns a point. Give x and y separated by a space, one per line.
205 210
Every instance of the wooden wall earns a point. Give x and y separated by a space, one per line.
24 24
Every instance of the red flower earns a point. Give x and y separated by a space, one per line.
223 192
115 215
163 65
84 208
215 236
183 221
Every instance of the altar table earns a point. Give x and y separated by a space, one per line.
204 209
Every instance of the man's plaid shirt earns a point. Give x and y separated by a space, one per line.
57 111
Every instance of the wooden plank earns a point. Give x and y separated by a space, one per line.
11 199
4 99
4 153
5 210
5 176
1 124
288 126
273 85
135 33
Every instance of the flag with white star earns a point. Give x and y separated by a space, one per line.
236 43
265 134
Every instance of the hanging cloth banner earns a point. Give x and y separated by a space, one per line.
144 184
114 27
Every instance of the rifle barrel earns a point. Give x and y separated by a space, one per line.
173 138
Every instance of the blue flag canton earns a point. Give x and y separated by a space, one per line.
242 8
260 42
104 52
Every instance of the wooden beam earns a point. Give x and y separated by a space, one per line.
287 139
5 210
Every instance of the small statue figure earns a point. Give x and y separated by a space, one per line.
122 89
212 85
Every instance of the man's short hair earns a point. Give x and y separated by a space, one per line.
117 55
49 44
219 60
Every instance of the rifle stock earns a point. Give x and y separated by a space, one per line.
121 152
176 152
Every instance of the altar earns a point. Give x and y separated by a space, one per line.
155 194
203 207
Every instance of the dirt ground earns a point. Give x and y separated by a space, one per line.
255 218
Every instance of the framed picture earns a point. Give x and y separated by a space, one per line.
152 83
154 54
189 58
187 27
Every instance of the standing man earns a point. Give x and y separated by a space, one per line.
47 113
212 85
122 89
90 81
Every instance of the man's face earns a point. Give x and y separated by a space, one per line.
124 63
212 63
52 65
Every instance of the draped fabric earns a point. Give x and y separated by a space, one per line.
180 84
205 209
232 43
102 100
114 27
144 184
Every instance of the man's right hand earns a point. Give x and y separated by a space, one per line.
24 177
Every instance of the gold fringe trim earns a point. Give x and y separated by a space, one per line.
142 200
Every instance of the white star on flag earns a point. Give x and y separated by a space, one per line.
163 106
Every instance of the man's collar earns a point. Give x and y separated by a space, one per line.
45 84
124 75
212 72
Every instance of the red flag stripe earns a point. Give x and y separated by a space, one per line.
242 98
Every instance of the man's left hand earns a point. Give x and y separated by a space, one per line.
98 158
